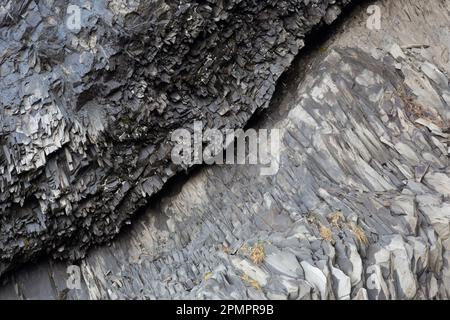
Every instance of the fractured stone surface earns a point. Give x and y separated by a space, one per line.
86 113
358 210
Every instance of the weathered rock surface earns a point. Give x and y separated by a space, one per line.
360 206
86 111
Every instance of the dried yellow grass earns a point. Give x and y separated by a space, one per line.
258 254
326 233
359 233
208 276
255 284
336 218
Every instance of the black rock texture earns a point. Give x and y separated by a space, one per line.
86 113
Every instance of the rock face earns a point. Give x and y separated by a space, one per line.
91 91
358 210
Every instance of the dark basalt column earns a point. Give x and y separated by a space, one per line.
86 111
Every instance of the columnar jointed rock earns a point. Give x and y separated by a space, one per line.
359 208
86 110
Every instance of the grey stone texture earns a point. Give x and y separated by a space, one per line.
358 210
86 113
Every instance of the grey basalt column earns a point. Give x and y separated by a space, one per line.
91 90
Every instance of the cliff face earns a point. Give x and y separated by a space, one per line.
91 91
358 210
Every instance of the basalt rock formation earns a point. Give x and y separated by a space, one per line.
91 90
358 210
